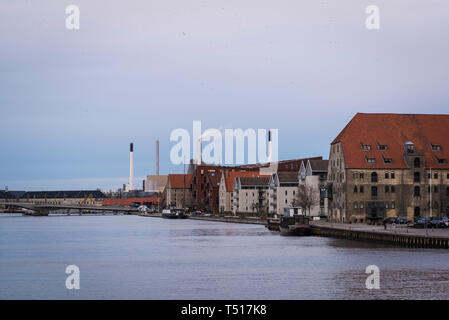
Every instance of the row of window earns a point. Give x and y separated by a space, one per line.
392 175
410 147
388 189
417 190
388 205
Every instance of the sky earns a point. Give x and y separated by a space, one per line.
71 101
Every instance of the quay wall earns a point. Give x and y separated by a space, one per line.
401 240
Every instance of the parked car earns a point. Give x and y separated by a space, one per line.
401 220
422 222
389 220
436 222
445 221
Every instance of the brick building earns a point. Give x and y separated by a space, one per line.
383 165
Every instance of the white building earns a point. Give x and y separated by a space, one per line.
283 190
314 175
250 195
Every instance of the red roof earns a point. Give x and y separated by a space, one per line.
177 181
393 131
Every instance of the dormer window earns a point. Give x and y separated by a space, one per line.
388 160
365 147
409 147
371 160
441 161
435 147
382 147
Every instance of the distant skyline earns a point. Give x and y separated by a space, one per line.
72 101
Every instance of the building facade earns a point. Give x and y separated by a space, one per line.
179 191
250 195
390 165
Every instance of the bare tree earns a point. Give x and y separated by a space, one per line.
306 198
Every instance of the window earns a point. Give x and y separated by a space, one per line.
417 163
435 189
374 191
447 177
355 175
361 189
393 189
416 191
371 160
435 204
382 147
387 189
361 205
365 147
392 175
441 161
388 160
435 147
386 175
435 175
355 205
447 191
374 177
362 175
386 205
392 205
416 177
355 189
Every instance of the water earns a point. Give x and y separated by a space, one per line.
131 257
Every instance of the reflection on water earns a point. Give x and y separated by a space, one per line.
130 257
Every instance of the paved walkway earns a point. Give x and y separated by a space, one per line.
398 229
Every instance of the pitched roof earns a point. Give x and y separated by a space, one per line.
288 177
319 165
255 181
180 181
229 180
393 131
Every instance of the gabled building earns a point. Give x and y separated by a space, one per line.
226 188
283 188
383 165
314 176
179 191
250 195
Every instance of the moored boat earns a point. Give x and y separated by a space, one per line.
298 225
173 214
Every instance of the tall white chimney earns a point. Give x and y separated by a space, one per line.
269 146
157 157
131 167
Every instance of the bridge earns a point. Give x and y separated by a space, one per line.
43 209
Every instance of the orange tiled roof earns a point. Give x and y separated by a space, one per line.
394 130
177 181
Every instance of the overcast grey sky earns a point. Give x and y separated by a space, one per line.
71 101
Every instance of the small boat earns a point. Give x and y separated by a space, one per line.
272 224
298 225
173 214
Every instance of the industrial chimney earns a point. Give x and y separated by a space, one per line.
157 157
131 167
269 146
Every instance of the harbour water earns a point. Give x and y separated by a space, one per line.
132 257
